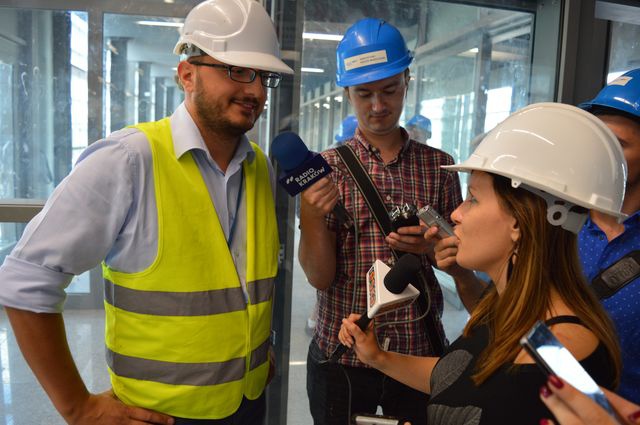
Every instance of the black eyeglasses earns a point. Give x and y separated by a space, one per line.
246 75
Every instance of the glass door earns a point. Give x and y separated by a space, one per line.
43 113
475 63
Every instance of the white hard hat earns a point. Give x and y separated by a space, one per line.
561 153
236 32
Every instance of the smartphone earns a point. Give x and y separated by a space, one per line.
554 358
369 419
432 218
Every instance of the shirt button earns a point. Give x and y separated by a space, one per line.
388 197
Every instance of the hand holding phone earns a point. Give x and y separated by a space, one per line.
431 217
554 358
571 406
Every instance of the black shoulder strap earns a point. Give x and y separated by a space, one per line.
563 319
617 276
367 188
373 199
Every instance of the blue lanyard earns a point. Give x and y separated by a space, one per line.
235 216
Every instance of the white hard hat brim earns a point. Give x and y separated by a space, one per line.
256 60
474 163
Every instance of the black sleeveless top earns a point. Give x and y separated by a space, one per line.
509 396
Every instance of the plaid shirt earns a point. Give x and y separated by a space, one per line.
413 177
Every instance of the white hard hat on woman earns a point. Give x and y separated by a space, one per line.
560 152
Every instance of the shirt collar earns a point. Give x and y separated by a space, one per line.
632 220
187 137
364 143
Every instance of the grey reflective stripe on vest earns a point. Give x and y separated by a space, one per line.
260 290
199 303
259 355
199 374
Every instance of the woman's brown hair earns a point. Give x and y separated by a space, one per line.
547 257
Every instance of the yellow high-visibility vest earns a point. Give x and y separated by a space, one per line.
181 339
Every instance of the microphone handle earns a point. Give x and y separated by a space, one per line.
362 323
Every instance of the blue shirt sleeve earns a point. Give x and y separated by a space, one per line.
74 231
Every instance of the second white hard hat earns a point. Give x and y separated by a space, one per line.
560 152
236 32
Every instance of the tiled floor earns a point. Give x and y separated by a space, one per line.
23 402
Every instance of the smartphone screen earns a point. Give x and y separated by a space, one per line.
554 358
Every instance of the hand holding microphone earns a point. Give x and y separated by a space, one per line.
306 171
320 199
363 341
387 290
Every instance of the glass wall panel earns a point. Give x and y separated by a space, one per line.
43 78
472 68
43 108
139 69
624 53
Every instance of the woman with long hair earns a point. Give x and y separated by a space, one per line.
533 179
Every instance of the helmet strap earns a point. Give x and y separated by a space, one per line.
560 212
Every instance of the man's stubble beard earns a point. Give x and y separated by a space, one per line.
211 115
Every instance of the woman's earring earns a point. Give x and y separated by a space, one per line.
512 261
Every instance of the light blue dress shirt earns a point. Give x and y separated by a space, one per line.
105 209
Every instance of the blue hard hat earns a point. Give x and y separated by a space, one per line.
421 122
347 129
622 95
371 50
